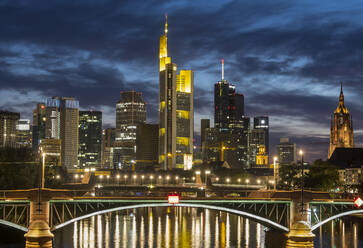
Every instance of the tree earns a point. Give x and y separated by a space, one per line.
322 176
289 175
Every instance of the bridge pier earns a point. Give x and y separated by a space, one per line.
39 235
300 234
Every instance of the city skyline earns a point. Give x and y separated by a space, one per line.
287 59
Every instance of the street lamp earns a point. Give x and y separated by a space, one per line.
247 181
217 179
176 179
43 169
228 180
258 181
118 179
125 176
239 180
301 153
142 179
151 179
275 173
134 179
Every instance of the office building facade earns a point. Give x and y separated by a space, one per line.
176 112
90 138
38 128
23 133
286 151
8 121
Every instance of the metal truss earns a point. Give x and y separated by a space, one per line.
275 211
320 211
15 212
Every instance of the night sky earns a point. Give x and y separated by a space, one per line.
287 57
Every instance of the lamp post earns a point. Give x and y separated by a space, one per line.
275 173
151 179
43 168
301 153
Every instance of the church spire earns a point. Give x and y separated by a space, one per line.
341 107
341 97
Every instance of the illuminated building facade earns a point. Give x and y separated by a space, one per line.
53 150
261 157
176 112
286 151
8 121
38 129
257 139
90 137
23 133
108 139
130 112
62 123
341 130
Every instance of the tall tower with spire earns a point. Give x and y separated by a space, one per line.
341 130
176 111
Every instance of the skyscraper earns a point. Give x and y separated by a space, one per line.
176 111
147 145
62 123
8 121
38 129
341 130
261 123
23 133
228 105
90 137
130 111
286 151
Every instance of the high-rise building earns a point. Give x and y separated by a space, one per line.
176 112
8 121
38 129
53 150
62 123
262 123
147 145
108 138
286 151
23 133
90 137
204 124
130 112
341 130
257 140
228 105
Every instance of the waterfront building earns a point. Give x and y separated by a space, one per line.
8 121
23 133
176 112
90 137
286 151
38 128
62 123
341 130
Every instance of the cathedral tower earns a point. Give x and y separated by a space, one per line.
341 130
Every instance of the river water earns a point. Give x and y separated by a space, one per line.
188 227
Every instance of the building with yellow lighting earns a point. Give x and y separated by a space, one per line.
341 131
176 112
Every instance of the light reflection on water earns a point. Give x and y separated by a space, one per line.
190 227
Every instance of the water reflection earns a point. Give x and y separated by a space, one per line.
190 227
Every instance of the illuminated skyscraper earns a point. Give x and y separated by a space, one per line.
23 133
62 123
90 136
38 129
8 121
176 112
341 131
130 111
261 123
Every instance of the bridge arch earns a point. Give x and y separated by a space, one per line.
335 217
13 225
254 217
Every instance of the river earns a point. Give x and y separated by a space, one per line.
185 227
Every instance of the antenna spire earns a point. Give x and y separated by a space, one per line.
166 24
222 69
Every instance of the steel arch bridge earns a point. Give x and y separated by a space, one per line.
273 213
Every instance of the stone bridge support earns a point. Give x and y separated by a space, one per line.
39 235
300 234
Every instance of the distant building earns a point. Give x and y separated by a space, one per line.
23 133
261 157
286 151
350 165
62 123
130 112
176 112
262 123
38 128
341 130
147 138
108 139
90 137
257 139
53 150
8 121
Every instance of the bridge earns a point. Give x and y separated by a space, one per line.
39 212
